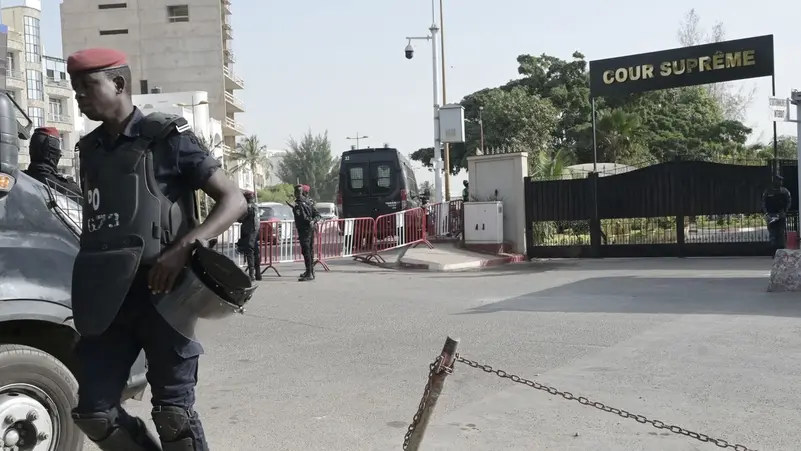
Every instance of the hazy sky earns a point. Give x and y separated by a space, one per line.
339 66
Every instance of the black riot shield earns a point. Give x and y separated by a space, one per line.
212 287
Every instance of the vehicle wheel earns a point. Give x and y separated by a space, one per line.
37 393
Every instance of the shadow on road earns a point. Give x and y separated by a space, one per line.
663 295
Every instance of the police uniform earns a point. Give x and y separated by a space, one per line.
45 152
777 200
306 217
248 243
138 198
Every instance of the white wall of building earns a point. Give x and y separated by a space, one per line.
275 157
177 47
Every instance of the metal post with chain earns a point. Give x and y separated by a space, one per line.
438 371
568 396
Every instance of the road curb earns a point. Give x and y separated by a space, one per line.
423 265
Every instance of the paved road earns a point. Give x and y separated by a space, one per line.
340 364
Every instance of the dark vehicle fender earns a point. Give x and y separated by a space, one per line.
49 326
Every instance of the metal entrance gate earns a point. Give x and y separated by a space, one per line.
672 209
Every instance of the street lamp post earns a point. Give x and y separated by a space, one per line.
434 29
357 138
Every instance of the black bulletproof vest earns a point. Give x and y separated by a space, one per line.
122 203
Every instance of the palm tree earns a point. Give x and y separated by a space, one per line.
617 130
250 153
544 165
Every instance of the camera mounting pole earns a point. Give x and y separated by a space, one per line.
439 195
795 99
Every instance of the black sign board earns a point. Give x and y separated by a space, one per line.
685 66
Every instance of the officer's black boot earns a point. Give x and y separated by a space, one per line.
113 431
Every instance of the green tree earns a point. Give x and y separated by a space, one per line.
787 147
511 118
733 100
251 154
425 186
277 193
309 161
617 131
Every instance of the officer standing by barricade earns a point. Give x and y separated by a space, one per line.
248 243
306 218
45 152
140 230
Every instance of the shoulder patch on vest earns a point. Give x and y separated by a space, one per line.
157 126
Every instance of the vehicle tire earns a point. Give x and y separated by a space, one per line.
31 377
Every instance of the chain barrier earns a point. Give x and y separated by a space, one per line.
583 401
423 402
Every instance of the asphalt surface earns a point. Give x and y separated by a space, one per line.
339 364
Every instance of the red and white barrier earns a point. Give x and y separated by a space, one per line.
401 229
358 238
445 220
345 238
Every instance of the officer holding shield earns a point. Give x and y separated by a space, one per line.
140 226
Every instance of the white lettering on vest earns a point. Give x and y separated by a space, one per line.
108 220
93 198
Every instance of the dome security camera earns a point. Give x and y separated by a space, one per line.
409 52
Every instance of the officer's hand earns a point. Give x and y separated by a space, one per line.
168 267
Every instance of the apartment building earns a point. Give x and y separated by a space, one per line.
39 83
172 46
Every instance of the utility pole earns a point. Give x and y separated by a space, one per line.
446 154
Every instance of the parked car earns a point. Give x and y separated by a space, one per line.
327 210
274 213
39 240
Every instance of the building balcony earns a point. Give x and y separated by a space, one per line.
226 4
15 79
234 104
62 122
232 81
58 88
228 31
16 41
229 56
232 128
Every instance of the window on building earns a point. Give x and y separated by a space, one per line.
11 63
63 139
33 45
34 81
112 6
55 69
37 116
143 86
112 32
57 112
178 13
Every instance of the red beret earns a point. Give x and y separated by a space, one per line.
52 131
92 60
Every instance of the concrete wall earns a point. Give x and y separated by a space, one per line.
177 57
500 177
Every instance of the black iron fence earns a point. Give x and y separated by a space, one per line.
676 208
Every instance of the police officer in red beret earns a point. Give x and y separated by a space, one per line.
45 152
139 174
306 218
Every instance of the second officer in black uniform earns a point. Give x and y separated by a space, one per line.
248 243
306 218
138 174
45 152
